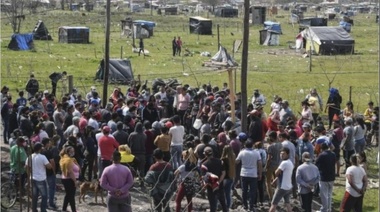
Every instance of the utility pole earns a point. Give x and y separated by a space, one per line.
107 53
244 67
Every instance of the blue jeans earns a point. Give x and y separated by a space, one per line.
359 145
176 153
5 129
39 187
227 191
51 180
249 184
326 190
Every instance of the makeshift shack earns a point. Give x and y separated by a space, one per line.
143 29
21 42
312 21
258 14
226 12
40 32
200 25
68 34
326 40
270 35
167 10
120 71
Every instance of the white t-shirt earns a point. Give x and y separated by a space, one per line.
285 179
39 162
249 159
292 150
177 133
93 123
357 173
43 134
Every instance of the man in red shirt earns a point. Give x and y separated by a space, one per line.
107 146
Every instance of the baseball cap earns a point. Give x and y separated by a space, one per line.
156 125
242 136
168 124
106 129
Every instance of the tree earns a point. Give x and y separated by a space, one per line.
15 14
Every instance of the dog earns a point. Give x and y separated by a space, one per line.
90 186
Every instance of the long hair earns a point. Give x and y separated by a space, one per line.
229 156
190 159
360 121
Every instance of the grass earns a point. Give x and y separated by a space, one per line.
272 69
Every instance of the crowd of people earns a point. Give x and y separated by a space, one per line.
183 141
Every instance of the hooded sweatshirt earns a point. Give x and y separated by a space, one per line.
136 140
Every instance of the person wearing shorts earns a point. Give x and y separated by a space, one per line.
284 181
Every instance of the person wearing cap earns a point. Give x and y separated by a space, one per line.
251 172
215 166
348 142
107 145
326 166
307 176
163 187
36 166
117 179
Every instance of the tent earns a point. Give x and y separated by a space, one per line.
200 25
223 57
120 71
270 35
21 42
69 34
226 12
40 32
326 40
143 29
313 22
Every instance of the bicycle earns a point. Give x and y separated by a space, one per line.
9 191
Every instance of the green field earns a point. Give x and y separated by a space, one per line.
274 70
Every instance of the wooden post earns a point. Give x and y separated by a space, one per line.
232 94
217 29
244 67
71 83
350 94
107 53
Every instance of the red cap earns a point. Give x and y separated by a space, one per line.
106 129
168 124
45 116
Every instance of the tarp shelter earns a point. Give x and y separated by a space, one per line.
143 29
68 34
270 35
258 14
40 32
120 71
21 42
326 40
200 25
223 57
226 12
273 26
313 22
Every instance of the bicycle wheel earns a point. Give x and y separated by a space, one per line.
5 170
8 195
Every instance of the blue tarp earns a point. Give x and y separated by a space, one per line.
148 24
21 42
273 26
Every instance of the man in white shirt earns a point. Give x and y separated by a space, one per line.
36 166
284 181
176 139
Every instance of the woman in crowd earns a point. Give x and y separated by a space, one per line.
127 159
348 111
163 142
360 131
188 174
228 157
70 173
90 154
306 113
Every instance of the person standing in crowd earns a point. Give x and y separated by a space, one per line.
21 100
26 126
161 177
215 166
55 77
284 181
179 46
18 157
70 174
348 111
307 176
326 166
176 134
32 86
5 115
348 143
117 179
337 138
228 158
333 104
261 182
251 172
356 186
36 166
286 112
316 104
273 161
120 134
188 174
163 142
107 146
136 142
174 46
284 139
183 102
89 153
360 131
50 173
149 145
